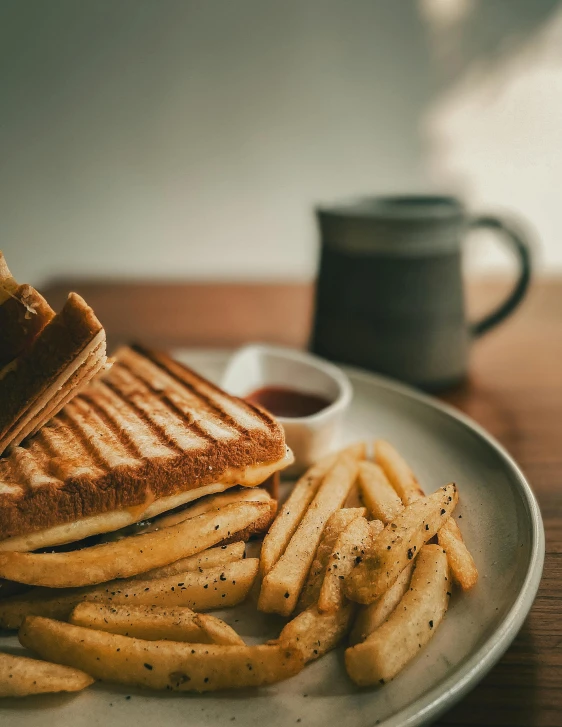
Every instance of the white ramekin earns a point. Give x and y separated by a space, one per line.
310 437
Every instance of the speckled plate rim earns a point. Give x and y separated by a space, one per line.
428 707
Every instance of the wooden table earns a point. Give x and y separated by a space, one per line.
514 390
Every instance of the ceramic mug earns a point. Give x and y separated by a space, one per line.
390 293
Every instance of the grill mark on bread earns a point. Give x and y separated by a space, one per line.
196 385
186 376
124 418
186 410
70 456
194 425
66 440
153 410
26 467
105 449
108 423
175 425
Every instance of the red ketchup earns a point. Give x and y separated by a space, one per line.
284 402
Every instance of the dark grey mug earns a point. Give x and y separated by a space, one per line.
390 295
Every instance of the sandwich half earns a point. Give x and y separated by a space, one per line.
44 358
145 437
67 353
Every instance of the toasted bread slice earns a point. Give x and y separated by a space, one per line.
23 315
67 353
145 437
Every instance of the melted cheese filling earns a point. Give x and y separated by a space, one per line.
108 521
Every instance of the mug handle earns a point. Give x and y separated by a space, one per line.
521 247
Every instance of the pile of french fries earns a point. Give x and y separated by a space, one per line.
357 553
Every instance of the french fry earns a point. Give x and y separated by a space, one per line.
218 630
151 623
259 527
271 485
353 499
163 665
460 560
211 558
407 486
132 555
154 623
204 590
398 544
213 502
21 676
411 625
283 583
398 472
314 633
370 617
348 551
201 591
335 525
377 493
292 512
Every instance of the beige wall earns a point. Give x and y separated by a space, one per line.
184 138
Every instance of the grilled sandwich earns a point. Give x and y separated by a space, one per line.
147 436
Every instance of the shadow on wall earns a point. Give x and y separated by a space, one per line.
493 133
465 33
188 139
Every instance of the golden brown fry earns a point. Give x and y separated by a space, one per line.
212 502
21 676
398 544
226 585
283 583
154 623
335 525
314 633
211 558
201 591
347 553
291 514
377 493
293 511
411 625
407 486
398 472
218 630
159 664
353 499
372 616
460 560
132 555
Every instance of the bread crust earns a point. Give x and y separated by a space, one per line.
23 315
19 326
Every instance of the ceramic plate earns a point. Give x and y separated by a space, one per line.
502 525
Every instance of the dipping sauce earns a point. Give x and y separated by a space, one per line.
284 402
